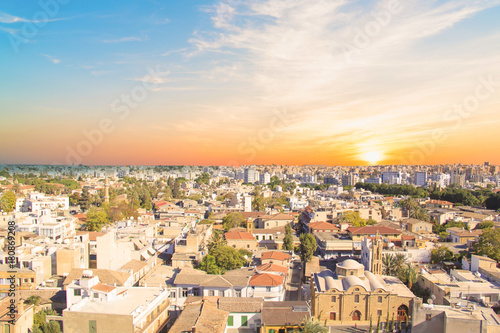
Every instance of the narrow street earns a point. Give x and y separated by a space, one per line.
293 282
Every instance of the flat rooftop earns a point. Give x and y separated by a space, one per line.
137 297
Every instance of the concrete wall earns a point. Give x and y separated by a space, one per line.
78 322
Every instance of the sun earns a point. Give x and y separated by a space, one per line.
372 157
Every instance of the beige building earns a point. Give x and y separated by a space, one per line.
352 295
23 320
241 240
104 308
272 221
418 226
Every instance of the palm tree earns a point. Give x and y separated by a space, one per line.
411 275
311 325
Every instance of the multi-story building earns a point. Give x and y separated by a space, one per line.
421 178
96 307
392 177
38 201
251 175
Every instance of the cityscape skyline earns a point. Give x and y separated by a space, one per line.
239 83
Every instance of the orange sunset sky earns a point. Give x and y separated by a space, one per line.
252 82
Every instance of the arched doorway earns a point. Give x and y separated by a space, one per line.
356 315
402 312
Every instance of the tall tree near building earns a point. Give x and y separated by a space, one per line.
233 220
8 202
84 201
96 219
307 247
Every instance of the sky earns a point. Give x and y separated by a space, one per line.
245 82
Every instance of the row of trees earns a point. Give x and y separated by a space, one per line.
416 192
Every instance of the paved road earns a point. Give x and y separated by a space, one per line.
293 282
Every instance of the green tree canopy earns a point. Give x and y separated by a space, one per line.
8 201
353 218
307 246
233 220
440 254
96 219
221 259
489 244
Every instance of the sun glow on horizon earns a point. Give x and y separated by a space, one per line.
372 157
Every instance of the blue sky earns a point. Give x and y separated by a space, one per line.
225 68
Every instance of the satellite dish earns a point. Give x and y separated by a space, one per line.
430 301
386 240
433 297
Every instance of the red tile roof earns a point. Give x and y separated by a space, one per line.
272 268
279 216
275 255
322 225
266 280
239 235
103 288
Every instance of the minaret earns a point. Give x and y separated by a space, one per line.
250 225
377 245
106 190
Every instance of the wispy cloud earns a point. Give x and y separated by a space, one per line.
293 54
8 19
126 39
52 59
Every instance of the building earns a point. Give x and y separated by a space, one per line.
96 307
273 221
284 316
241 240
417 226
251 175
270 286
201 316
392 177
459 235
352 295
39 201
25 279
350 180
421 178
23 319
315 227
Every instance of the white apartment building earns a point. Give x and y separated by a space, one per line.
38 201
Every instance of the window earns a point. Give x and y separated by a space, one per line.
356 298
96 295
221 293
428 316
268 289
244 321
184 292
380 299
256 237
172 294
379 313
334 299
211 293
352 273
77 292
238 292
271 330
270 237
332 316
230 321
196 292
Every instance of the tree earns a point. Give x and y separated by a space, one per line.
233 220
378 325
489 244
307 247
370 330
84 201
485 225
288 242
35 300
440 254
204 178
216 240
410 274
221 259
96 219
74 199
353 218
8 202
393 263
40 325
311 325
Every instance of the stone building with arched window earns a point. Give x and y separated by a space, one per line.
352 295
